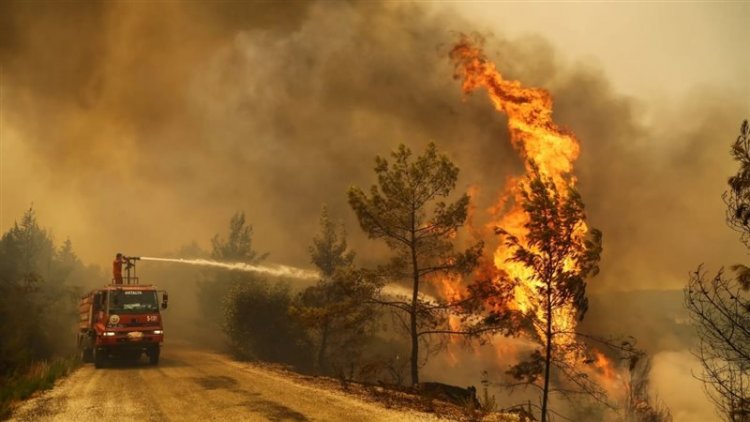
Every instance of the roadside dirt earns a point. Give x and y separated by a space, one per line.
192 385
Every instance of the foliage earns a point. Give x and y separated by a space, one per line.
238 245
719 306
37 303
258 325
329 250
215 286
335 311
407 210
558 263
252 312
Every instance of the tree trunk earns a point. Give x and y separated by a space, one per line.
414 297
322 351
548 353
413 317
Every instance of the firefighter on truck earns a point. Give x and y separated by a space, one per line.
121 319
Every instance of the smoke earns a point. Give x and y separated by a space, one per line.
145 126
177 123
673 381
272 270
158 129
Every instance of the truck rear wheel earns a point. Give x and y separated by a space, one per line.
84 347
87 355
153 356
100 358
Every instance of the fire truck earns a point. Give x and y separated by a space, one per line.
121 320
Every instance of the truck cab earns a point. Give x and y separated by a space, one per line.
121 320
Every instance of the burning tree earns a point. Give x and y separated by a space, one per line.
558 259
397 210
548 249
720 306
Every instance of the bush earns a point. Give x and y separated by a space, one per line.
258 325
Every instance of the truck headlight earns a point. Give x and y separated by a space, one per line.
109 333
158 331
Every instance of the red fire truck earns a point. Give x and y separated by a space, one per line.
121 320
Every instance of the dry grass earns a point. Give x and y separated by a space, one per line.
39 376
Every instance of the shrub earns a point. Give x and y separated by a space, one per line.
258 326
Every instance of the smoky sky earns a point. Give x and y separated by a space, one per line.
141 127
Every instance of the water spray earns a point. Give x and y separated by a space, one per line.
273 270
278 271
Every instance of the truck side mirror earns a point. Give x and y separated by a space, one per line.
164 299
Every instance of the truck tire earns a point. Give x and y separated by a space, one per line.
87 355
85 346
153 356
100 358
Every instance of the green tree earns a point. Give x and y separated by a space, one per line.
335 311
329 250
258 325
37 305
216 285
238 245
407 209
559 263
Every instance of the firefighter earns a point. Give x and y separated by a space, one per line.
117 268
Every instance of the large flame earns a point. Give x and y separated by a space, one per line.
539 141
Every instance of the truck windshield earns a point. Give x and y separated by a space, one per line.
124 301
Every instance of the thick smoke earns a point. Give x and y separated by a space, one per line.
148 125
140 127
149 132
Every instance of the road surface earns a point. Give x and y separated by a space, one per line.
194 385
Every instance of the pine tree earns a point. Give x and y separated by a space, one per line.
407 210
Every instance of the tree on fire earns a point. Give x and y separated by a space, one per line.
559 263
720 306
335 310
407 210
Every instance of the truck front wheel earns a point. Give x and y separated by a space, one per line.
153 356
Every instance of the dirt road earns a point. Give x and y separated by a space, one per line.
192 385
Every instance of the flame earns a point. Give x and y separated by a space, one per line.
607 375
604 366
538 141
449 288
553 150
